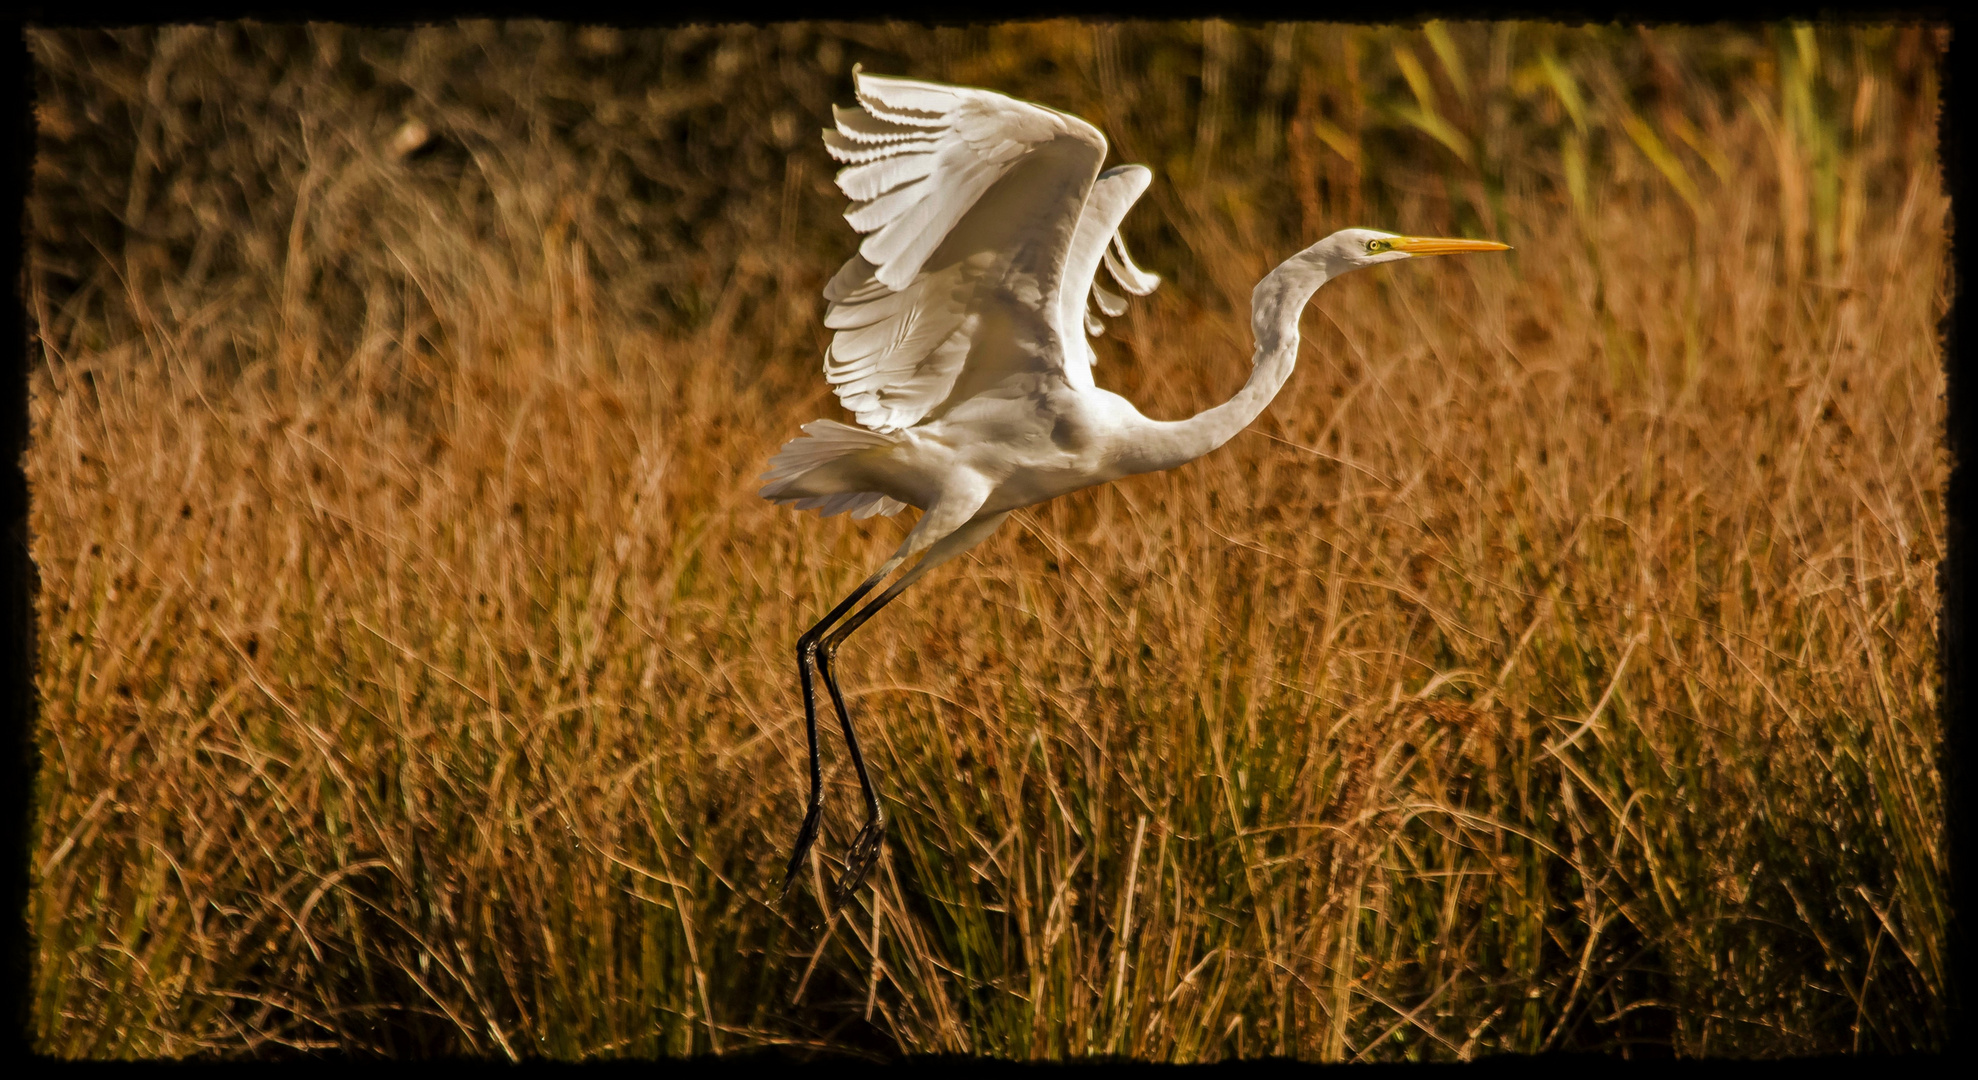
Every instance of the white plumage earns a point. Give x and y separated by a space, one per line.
960 344
919 157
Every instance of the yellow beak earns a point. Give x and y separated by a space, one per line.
1431 245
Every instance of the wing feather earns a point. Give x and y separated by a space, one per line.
1109 301
969 200
1121 266
902 245
857 125
884 94
1113 194
857 153
850 316
875 178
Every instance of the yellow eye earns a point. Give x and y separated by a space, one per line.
1375 247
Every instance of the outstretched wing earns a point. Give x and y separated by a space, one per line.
972 202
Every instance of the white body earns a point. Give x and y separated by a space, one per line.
1033 439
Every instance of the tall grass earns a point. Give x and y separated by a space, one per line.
1551 667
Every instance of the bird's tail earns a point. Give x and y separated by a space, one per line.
798 475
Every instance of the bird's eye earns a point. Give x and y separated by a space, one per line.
1375 247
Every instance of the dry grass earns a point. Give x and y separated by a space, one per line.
1552 666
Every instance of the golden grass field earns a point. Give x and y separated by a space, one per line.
1552 667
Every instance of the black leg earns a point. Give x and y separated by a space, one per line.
865 847
806 652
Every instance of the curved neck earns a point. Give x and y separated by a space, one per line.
1275 306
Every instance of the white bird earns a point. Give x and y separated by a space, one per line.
961 347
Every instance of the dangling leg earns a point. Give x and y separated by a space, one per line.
806 649
865 848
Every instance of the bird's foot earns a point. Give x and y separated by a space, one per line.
806 836
864 852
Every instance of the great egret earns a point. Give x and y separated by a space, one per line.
961 349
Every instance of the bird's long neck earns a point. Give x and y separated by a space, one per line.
1275 306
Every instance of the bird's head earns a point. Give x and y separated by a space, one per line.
1351 249
1283 291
